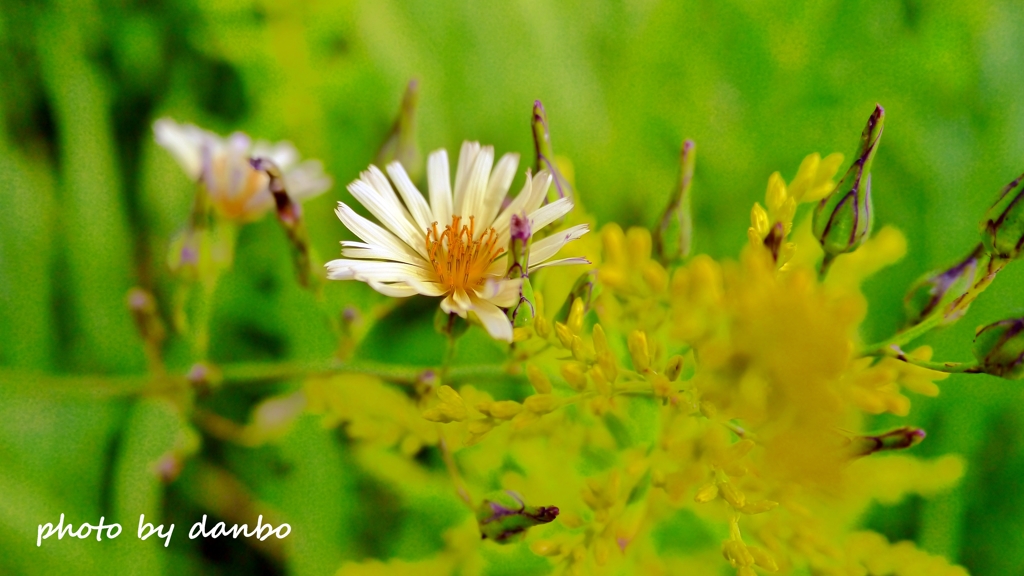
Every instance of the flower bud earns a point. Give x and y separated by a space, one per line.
401 145
144 311
673 237
638 350
706 493
538 380
522 313
674 367
899 439
583 292
600 381
503 409
546 155
600 340
999 348
734 497
606 362
763 559
503 516
541 403
935 290
520 235
842 220
736 553
575 320
1002 230
574 375
579 350
564 335
289 215
543 327
450 409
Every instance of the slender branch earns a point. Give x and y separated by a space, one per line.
893 351
235 374
453 470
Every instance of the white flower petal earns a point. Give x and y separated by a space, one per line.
539 190
306 181
440 186
467 159
374 271
493 319
476 187
527 201
545 215
427 288
410 195
374 234
393 290
501 292
462 300
561 262
283 154
497 189
380 183
184 142
398 223
544 249
362 250
259 203
450 306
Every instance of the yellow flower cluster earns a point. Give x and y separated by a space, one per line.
371 411
769 228
727 393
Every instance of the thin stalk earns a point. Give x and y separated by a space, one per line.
234 375
947 367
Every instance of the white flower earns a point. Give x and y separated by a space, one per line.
222 164
455 246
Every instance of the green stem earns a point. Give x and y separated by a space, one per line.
449 351
826 264
902 337
947 367
235 374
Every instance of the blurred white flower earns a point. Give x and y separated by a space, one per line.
455 246
222 164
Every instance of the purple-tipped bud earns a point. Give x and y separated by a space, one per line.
1002 230
289 214
147 319
842 220
899 439
522 313
999 348
204 377
520 227
673 237
401 144
546 154
934 291
504 518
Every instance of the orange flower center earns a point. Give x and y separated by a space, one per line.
461 260
232 188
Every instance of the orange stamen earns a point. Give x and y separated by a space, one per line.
461 260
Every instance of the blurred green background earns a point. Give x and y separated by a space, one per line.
88 203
